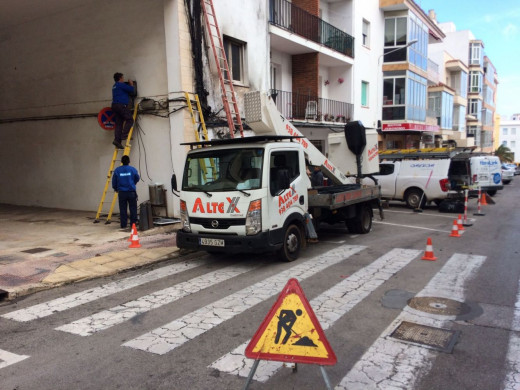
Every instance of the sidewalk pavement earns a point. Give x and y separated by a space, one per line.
42 248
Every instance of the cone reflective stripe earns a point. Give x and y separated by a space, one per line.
455 229
134 238
428 254
459 223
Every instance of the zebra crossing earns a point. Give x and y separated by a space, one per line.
387 363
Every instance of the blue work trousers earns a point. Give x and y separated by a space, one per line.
127 198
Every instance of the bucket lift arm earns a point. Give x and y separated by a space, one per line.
265 119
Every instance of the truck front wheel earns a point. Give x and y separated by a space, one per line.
292 243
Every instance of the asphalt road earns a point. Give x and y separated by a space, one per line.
189 326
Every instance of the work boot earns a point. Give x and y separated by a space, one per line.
117 144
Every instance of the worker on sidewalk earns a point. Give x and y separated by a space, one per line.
123 182
121 93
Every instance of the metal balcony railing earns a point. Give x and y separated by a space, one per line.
301 106
298 21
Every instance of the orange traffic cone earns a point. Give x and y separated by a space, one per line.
455 229
135 238
483 201
459 223
428 254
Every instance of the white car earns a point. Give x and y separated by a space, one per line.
508 173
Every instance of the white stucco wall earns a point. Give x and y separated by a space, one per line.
63 65
368 62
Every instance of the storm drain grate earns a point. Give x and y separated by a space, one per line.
442 340
36 250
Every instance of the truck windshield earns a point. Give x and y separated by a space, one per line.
223 170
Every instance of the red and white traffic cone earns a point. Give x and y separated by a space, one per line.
428 254
135 238
455 229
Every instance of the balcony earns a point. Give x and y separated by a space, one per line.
297 21
297 106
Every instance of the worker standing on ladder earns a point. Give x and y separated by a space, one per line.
123 182
121 93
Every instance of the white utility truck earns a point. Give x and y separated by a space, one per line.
253 194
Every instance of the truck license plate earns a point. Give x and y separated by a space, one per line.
211 241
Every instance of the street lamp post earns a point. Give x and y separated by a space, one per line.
379 106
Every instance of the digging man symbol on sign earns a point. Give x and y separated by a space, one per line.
286 321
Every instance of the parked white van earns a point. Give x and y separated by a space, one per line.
415 181
474 171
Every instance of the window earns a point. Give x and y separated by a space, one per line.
476 55
394 98
513 131
513 144
505 131
235 57
475 82
364 94
366 33
504 143
395 37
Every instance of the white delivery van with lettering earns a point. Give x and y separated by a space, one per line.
476 170
414 181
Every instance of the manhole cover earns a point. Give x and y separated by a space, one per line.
441 306
436 338
36 250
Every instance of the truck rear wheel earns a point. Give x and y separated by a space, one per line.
414 198
292 243
362 222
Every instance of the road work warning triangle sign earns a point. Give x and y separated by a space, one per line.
291 332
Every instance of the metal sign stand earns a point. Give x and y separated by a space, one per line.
255 366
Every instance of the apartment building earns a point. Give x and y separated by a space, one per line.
509 135
461 56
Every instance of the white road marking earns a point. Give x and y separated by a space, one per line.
174 334
391 364
77 299
107 318
328 307
512 379
413 227
8 358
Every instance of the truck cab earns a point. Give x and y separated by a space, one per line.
245 195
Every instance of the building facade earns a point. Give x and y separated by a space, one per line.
462 58
509 135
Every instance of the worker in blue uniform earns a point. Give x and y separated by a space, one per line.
123 182
121 93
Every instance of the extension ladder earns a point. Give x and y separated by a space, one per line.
126 152
225 77
197 118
